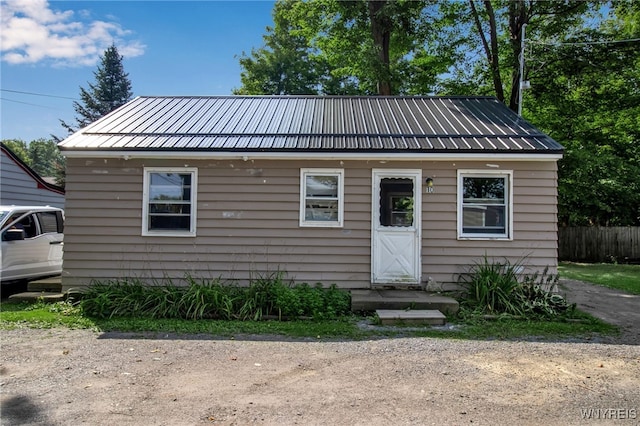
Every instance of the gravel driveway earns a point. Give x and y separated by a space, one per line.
613 306
62 377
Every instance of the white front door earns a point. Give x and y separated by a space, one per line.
396 225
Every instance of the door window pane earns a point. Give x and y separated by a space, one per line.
396 202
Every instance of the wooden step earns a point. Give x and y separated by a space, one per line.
371 300
53 284
418 316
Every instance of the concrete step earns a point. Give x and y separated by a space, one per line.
419 316
33 296
53 284
371 300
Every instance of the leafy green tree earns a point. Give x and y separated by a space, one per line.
45 156
42 155
586 94
381 26
19 148
111 89
347 47
491 32
285 65
386 45
584 91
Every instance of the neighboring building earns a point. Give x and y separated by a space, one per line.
20 185
357 191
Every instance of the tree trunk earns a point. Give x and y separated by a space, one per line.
381 27
490 47
517 18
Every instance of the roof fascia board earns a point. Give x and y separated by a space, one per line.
415 156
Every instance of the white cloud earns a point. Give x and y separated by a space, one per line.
33 32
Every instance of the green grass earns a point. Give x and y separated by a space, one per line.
621 277
41 315
62 314
582 326
342 328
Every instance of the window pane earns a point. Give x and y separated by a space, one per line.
321 210
483 219
402 211
171 179
322 186
170 186
484 205
170 201
48 221
155 208
27 224
483 190
396 202
175 223
320 197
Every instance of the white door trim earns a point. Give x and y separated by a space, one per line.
411 235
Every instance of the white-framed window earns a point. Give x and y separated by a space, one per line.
169 201
485 204
321 197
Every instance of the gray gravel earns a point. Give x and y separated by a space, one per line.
62 377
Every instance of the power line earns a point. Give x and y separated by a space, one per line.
584 43
39 94
27 103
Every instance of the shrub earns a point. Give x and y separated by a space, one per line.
537 297
267 295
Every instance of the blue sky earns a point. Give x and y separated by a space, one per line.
50 49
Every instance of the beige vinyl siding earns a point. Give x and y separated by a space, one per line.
534 242
248 222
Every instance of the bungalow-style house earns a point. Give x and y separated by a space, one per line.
21 185
357 191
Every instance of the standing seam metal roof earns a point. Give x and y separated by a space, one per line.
313 123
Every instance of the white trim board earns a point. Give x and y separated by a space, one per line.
246 156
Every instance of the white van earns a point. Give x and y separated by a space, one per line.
32 242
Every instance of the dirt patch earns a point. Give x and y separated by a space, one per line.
62 377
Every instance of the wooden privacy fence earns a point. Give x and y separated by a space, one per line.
599 244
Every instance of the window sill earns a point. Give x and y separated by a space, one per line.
321 225
168 234
484 238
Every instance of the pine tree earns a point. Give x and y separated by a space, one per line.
112 89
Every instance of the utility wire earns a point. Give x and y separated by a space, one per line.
39 94
27 103
584 43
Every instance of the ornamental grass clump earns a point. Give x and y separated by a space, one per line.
492 286
500 288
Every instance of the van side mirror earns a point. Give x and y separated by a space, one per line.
13 235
